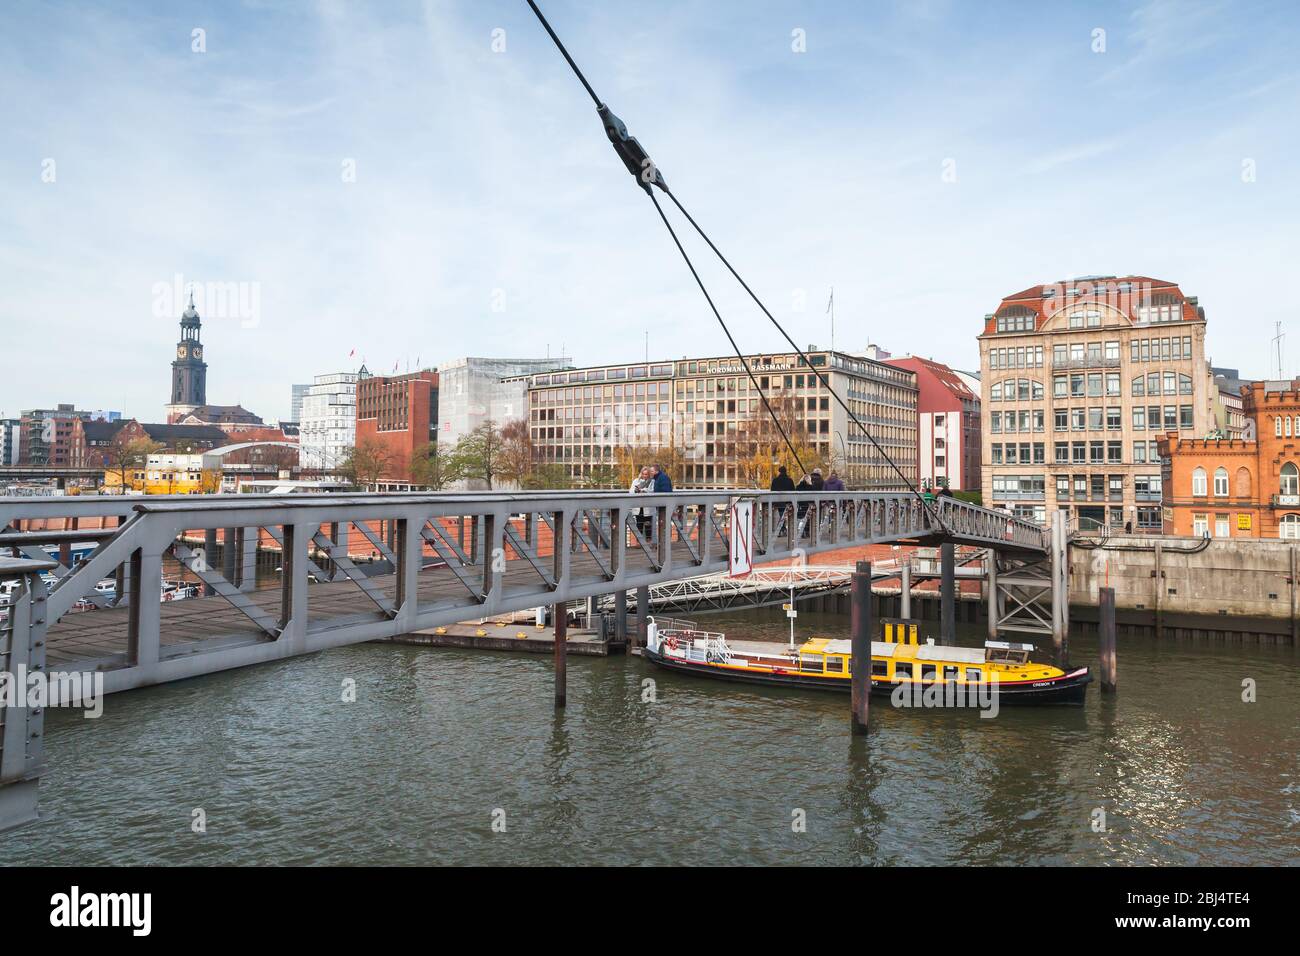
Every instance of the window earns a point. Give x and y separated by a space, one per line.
1221 484
1061 419
1198 481
1114 422
1201 525
1221 526
1290 479
1139 452
1290 526
1139 418
1139 386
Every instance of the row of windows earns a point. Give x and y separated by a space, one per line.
1023 322
1024 356
1085 384
1025 420
1157 383
1016 390
1160 350
1282 426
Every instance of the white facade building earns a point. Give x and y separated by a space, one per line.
328 428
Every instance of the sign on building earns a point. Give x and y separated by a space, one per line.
741 540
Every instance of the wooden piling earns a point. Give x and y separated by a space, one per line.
1106 640
860 660
561 613
948 594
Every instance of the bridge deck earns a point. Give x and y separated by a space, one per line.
101 635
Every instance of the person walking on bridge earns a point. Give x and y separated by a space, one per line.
781 481
834 482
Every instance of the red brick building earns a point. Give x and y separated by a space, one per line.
398 413
1240 488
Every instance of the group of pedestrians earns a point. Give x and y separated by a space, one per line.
651 480
782 481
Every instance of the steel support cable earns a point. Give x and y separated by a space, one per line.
820 377
647 174
743 361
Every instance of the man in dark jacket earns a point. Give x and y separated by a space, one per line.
782 481
662 482
834 482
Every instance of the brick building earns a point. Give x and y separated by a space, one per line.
1239 487
399 414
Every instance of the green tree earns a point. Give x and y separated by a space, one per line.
477 455
365 463
127 457
429 467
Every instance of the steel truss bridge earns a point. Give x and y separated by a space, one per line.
441 558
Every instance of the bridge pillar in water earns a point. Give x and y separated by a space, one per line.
905 590
561 613
620 616
948 594
995 602
1060 574
642 614
1106 640
22 728
860 651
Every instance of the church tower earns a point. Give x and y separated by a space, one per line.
189 371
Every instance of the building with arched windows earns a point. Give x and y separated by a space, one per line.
1079 381
1240 488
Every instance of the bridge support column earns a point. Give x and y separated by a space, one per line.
1106 640
642 614
905 590
620 617
995 602
860 659
228 560
1060 573
948 594
209 555
22 728
561 612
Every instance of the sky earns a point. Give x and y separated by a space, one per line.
412 182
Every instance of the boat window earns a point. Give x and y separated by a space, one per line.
835 665
973 674
903 669
928 671
814 664
879 668
950 672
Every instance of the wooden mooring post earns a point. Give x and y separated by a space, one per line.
561 613
860 659
620 617
642 614
1106 640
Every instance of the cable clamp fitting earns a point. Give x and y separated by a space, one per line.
633 154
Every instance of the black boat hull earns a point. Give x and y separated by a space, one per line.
1069 690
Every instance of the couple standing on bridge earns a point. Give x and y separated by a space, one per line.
652 480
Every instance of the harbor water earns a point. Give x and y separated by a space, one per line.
458 757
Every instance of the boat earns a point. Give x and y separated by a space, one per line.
918 674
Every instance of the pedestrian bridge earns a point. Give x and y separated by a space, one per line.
355 567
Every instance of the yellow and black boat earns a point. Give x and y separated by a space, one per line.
941 675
